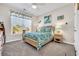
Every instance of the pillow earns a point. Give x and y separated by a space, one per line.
46 29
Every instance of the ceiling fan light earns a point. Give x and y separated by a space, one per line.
34 6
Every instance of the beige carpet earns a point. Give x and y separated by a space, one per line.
19 48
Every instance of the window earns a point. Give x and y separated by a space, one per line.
19 23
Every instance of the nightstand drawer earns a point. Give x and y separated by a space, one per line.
58 36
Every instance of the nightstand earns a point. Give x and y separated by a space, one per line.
58 36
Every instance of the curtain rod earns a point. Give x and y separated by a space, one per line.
23 12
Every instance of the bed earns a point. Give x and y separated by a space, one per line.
40 37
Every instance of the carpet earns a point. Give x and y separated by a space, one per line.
19 48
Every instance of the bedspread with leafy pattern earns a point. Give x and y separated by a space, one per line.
38 36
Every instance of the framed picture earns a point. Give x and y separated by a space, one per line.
60 17
47 19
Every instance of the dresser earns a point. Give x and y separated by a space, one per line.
1 40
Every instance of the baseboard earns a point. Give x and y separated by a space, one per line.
68 42
20 39
12 40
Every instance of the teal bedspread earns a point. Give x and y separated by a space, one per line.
38 36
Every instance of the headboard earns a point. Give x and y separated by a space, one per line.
46 29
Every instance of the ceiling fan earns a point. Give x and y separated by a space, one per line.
38 3
34 5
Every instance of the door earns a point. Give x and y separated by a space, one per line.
76 32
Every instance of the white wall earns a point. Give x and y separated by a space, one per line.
34 23
68 12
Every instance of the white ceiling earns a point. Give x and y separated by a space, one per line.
41 8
